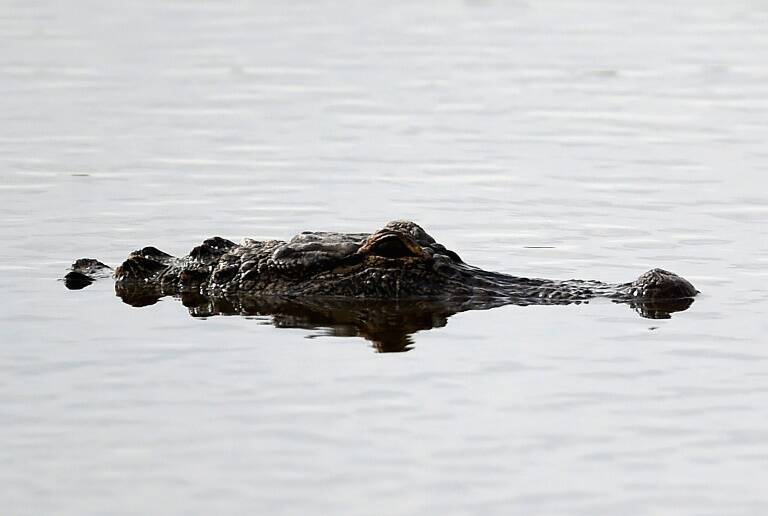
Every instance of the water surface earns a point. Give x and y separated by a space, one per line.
551 139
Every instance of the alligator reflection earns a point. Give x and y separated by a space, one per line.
388 325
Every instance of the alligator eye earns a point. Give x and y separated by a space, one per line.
391 247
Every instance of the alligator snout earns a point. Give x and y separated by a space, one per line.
658 284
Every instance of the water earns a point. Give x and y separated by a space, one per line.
551 139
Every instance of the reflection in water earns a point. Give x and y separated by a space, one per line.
388 325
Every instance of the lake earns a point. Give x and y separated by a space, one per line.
548 139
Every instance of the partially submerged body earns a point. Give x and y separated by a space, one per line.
399 262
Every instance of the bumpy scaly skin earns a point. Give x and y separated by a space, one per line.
400 261
84 272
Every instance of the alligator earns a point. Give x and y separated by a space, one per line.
398 262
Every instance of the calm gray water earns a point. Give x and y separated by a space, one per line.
558 139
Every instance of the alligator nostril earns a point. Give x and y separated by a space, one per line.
392 247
